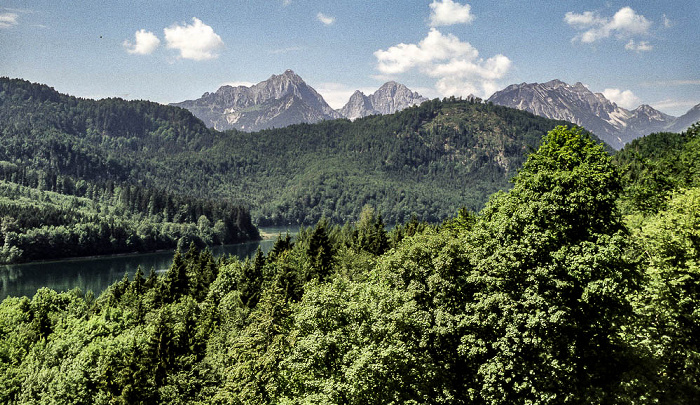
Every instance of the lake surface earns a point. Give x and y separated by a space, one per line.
98 273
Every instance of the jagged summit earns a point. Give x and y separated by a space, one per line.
577 104
279 101
285 99
388 99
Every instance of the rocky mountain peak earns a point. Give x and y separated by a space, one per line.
648 110
577 104
281 100
388 99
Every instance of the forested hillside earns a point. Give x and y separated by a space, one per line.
548 295
426 161
74 178
656 165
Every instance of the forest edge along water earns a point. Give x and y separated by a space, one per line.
97 273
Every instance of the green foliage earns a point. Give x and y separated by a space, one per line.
40 225
669 248
545 296
656 165
371 235
552 281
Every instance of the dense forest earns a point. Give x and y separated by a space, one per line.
426 161
73 178
570 287
39 224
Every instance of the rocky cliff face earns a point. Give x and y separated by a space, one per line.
558 100
388 99
277 102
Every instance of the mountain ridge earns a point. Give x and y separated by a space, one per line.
617 126
261 106
285 99
391 97
427 160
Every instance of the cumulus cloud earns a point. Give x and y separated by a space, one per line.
8 20
625 99
624 24
327 20
196 41
447 12
641 46
455 64
145 42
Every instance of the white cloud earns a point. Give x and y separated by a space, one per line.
641 46
285 50
8 20
145 43
327 20
286 2
624 24
667 22
338 94
455 64
237 84
197 41
447 12
435 47
625 99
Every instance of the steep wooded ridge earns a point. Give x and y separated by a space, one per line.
577 104
80 177
656 166
426 161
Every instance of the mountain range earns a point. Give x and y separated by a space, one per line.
286 99
426 161
577 104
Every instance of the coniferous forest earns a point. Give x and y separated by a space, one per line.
571 287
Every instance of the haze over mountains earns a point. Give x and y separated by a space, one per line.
577 104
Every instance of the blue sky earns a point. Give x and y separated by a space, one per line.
167 51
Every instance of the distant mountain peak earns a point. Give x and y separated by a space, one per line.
281 100
577 104
388 99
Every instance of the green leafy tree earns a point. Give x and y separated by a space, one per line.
553 281
669 246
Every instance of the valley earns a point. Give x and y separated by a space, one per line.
503 224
